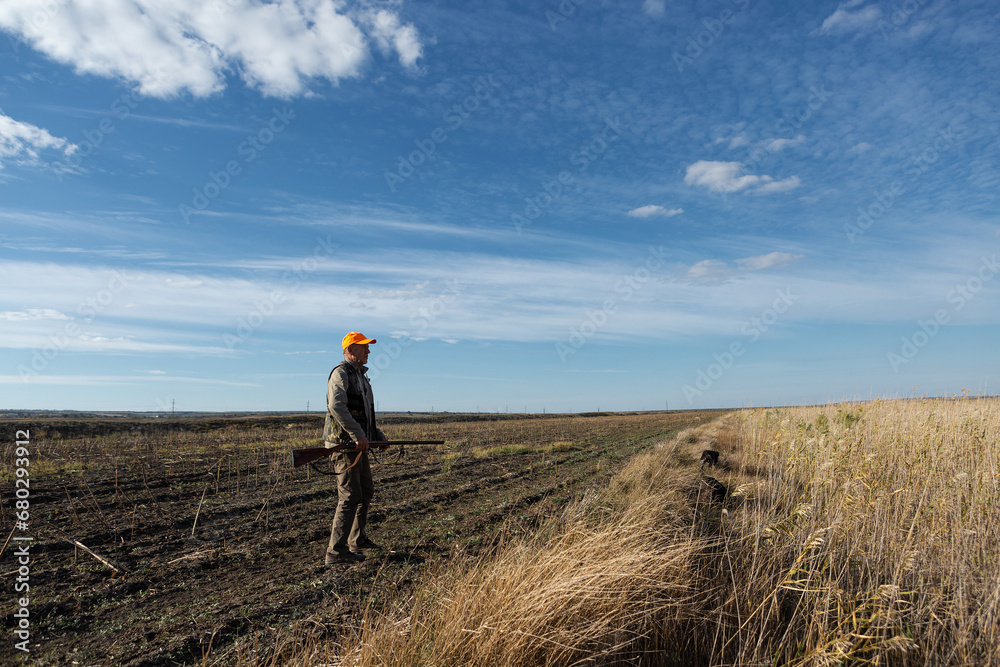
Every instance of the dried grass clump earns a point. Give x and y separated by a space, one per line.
606 587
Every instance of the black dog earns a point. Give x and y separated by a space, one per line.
719 490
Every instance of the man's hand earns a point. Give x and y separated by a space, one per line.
362 444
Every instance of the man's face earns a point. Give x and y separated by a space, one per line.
357 353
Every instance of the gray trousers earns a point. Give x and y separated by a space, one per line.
355 489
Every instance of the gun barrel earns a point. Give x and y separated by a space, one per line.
407 442
300 457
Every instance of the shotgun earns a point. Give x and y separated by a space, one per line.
301 457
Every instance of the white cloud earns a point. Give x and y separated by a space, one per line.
390 35
783 185
729 177
652 209
775 145
166 48
859 148
716 271
33 314
719 176
21 142
845 20
184 282
769 261
706 272
739 141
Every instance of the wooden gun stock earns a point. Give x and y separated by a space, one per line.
301 457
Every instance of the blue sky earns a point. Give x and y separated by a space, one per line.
560 206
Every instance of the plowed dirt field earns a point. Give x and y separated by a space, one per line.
211 545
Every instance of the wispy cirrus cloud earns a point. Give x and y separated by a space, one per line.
775 145
165 312
848 19
715 271
654 210
33 314
730 177
735 141
706 272
784 185
769 261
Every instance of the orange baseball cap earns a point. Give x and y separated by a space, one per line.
355 338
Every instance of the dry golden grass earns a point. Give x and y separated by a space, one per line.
866 534
853 534
570 597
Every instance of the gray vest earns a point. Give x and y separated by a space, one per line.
356 386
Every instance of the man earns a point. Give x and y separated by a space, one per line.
350 420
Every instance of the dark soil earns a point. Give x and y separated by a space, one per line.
251 568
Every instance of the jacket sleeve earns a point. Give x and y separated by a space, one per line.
336 404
